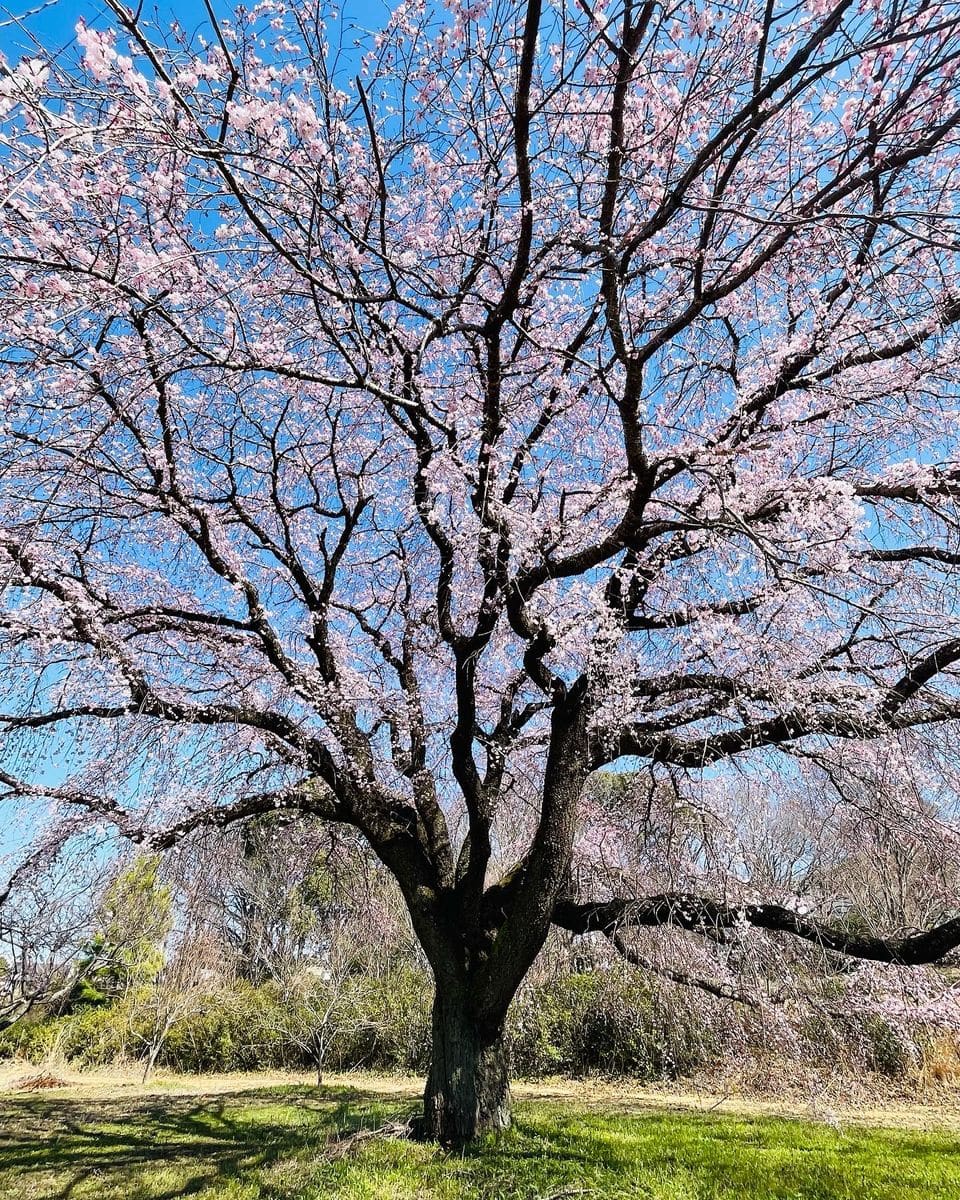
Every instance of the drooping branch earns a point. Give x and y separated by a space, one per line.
713 987
707 917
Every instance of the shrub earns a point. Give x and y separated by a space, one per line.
595 1022
391 1024
608 1022
234 1030
381 1022
32 1038
862 1042
368 1021
91 1037
891 1048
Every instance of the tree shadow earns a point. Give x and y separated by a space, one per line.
726 1157
278 1143
56 1148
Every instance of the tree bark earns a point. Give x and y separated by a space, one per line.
468 1086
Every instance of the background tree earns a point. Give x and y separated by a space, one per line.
266 892
133 921
281 893
401 433
180 988
47 906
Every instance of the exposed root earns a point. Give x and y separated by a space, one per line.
340 1145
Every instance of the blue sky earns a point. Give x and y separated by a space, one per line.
28 25
22 28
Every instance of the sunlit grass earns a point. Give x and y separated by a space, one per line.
288 1144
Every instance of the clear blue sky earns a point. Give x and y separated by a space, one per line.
28 25
23 29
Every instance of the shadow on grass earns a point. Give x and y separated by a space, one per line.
286 1143
718 1156
54 1148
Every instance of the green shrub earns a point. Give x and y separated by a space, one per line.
380 1022
863 1042
611 1023
532 1033
386 1023
32 1038
595 1022
90 1036
891 1049
225 1034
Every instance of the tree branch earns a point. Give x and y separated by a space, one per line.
707 917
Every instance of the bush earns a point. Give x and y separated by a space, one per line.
596 1022
389 1024
91 1037
236 1029
380 1022
863 1043
32 1038
369 1021
611 1023
891 1049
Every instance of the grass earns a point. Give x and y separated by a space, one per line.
294 1143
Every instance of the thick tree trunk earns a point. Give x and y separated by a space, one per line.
468 1087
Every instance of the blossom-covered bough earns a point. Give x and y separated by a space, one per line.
400 429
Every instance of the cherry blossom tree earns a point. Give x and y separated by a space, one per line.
400 428
47 905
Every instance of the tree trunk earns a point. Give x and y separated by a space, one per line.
468 1087
154 1054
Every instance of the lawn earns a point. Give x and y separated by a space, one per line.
299 1143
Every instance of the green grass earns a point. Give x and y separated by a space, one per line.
287 1144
